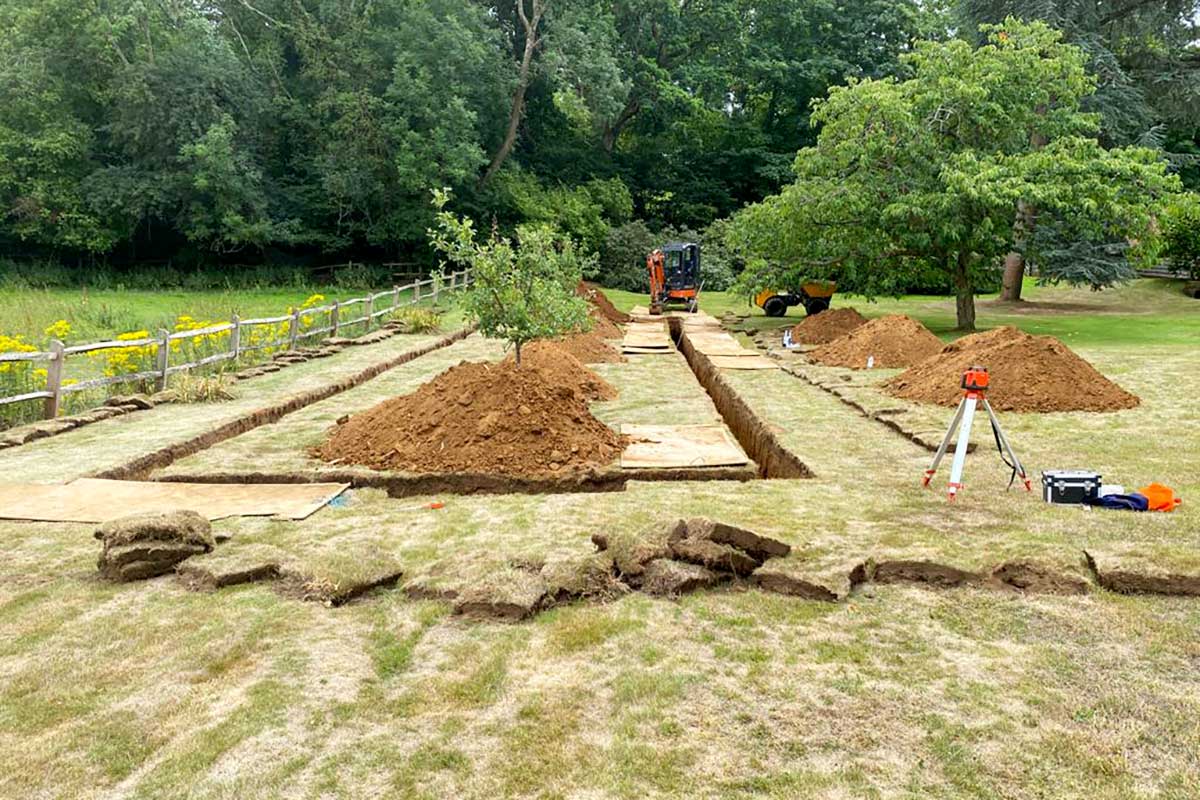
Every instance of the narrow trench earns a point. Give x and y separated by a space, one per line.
773 459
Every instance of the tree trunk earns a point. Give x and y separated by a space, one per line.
517 353
1014 275
517 113
1014 262
964 294
612 132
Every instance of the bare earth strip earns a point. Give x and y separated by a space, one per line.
108 444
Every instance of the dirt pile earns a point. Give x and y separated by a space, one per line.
895 341
588 348
828 325
595 295
603 327
1028 373
561 367
478 418
591 347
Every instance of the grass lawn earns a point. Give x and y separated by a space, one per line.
898 691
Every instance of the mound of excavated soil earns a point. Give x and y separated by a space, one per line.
1028 373
596 297
827 326
603 327
562 368
588 348
482 418
895 341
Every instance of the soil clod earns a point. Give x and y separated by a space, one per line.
771 580
666 577
582 577
758 547
632 552
144 546
926 572
1028 576
513 595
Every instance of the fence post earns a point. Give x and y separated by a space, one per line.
235 337
369 305
334 314
437 281
164 359
54 373
293 329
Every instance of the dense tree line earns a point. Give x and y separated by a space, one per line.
147 127
257 130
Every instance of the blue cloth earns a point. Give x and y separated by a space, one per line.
1123 502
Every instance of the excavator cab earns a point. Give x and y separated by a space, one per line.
674 276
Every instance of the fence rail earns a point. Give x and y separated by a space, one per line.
300 328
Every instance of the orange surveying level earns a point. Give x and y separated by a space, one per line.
975 383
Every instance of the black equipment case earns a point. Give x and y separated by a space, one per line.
1070 485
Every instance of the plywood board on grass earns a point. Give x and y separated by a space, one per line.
749 361
719 345
95 500
646 337
680 446
640 350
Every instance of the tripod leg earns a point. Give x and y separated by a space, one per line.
1007 447
945 445
960 450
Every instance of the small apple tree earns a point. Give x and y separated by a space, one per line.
522 289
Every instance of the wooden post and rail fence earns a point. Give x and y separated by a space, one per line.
337 317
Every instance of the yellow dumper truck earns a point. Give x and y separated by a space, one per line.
814 296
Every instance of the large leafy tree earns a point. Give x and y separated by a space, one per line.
926 173
1147 69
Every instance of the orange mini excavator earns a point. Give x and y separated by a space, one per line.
674 276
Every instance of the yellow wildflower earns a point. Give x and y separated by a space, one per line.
58 330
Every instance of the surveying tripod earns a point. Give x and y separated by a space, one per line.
974 384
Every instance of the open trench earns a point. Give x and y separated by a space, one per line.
757 440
